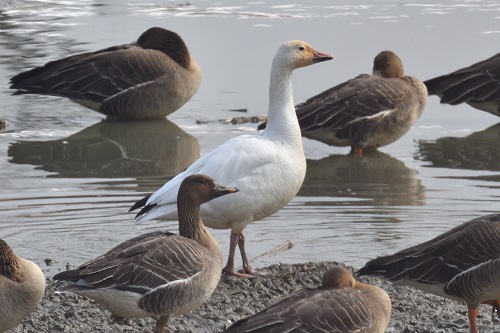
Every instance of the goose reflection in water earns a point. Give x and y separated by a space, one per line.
377 176
113 149
477 151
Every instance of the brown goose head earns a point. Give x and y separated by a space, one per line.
199 189
387 64
337 278
167 42
9 264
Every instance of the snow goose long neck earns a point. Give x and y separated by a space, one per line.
282 120
268 168
22 285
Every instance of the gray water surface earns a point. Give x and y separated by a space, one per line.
68 178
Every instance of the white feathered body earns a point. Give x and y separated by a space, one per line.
282 165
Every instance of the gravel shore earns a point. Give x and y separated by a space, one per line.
412 310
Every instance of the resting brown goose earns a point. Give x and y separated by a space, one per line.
22 285
461 264
341 304
158 274
477 85
148 79
366 112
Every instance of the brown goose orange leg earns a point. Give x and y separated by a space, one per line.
356 151
472 313
161 324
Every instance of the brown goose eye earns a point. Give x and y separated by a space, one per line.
301 48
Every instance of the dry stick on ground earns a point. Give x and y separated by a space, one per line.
285 246
235 120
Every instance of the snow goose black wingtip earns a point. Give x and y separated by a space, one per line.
158 274
341 304
456 264
22 286
121 81
267 168
477 85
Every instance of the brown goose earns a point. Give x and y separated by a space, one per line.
158 274
477 85
461 264
148 79
22 285
366 112
341 304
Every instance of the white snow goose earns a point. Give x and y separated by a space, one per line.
268 168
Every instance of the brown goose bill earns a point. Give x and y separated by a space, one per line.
220 190
320 56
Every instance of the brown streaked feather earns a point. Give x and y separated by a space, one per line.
140 264
348 307
475 284
477 85
350 101
461 264
94 76
443 257
148 79
308 311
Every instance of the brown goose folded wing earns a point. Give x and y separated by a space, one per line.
477 85
476 284
141 265
440 259
145 80
351 109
